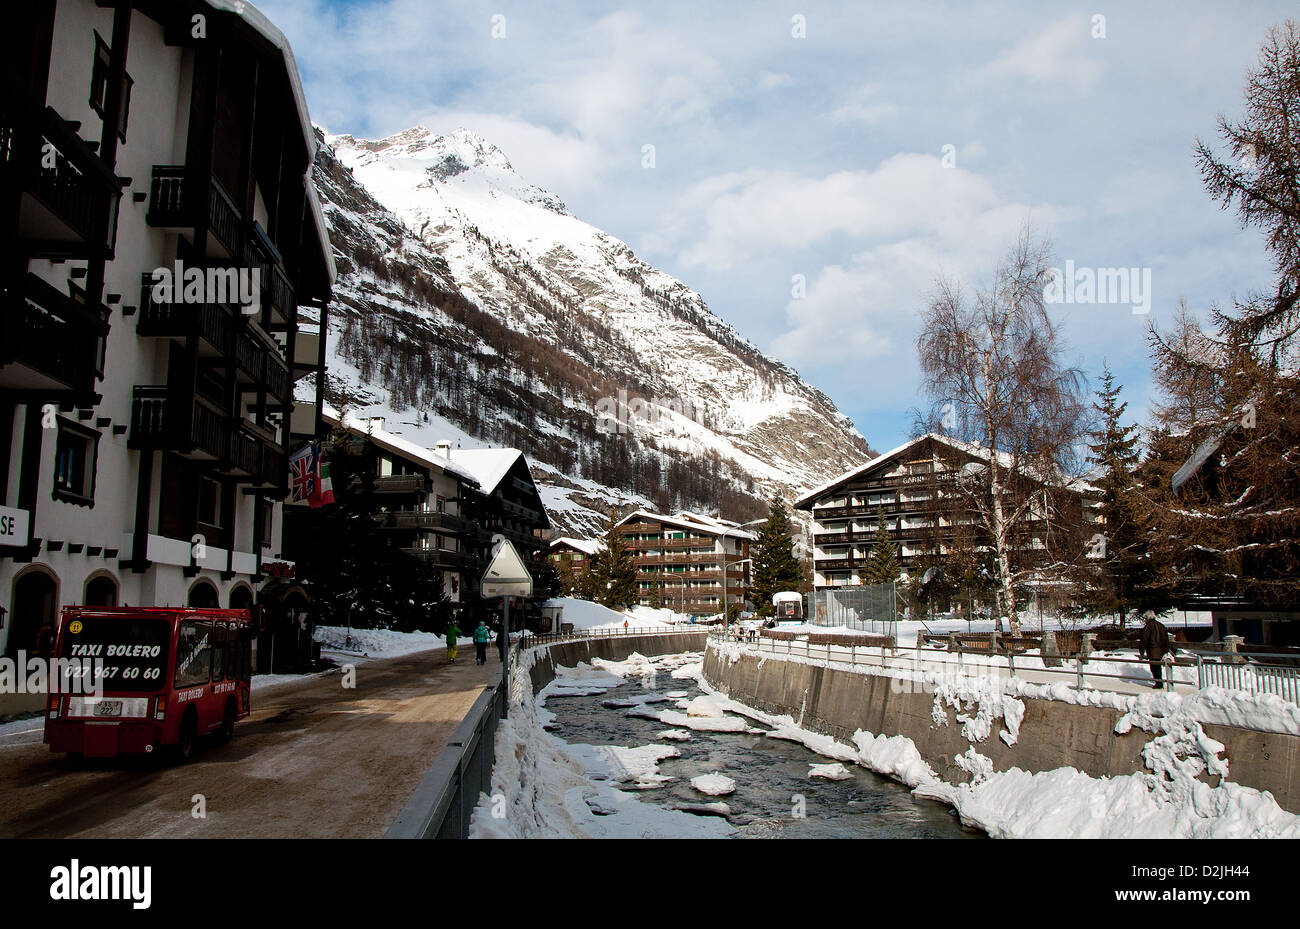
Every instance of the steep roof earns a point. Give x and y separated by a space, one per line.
704 524
975 451
489 466
397 445
587 546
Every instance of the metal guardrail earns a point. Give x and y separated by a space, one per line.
441 806
530 640
1242 674
444 801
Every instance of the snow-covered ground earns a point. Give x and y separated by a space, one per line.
585 615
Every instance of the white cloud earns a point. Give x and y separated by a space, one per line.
732 218
770 80
1064 53
865 106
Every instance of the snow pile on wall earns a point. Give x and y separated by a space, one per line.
1169 802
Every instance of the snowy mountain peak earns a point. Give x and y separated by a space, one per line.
461 162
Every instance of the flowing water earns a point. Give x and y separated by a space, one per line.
771 774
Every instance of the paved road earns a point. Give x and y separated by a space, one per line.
314 760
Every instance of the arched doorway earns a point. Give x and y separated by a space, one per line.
35 604
241 598
101 590
203 596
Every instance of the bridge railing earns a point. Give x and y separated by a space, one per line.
528 640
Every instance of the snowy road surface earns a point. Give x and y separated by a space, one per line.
314 760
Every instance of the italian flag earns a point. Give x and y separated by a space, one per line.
324 489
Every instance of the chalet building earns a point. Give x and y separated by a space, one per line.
506 503
576 554
903 487
418 497
146 431
684 557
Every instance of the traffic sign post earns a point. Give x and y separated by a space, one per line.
506 577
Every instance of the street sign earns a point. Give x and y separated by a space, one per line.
506 575
15 526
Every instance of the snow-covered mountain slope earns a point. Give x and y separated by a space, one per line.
471 305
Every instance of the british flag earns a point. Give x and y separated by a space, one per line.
302 474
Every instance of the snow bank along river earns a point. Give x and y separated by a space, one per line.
636 748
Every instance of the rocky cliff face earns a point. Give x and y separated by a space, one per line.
472 306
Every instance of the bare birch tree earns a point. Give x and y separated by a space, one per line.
992 364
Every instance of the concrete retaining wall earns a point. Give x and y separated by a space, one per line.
611 648
838 702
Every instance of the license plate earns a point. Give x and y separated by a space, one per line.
108 708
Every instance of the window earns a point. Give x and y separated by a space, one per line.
75 454
209 502
99 86
193 653
219 652
268 520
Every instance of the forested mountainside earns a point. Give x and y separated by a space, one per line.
471 306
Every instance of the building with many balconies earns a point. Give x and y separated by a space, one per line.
146 431
682 560
908 491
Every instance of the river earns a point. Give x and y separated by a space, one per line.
774 796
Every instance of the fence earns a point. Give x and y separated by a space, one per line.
867 607
529 639
1282 680
1086 669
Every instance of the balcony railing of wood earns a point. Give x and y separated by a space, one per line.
212 322
423 519
42 155
400 484
50 333
176 201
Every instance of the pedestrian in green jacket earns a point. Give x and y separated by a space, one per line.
482 635
450 634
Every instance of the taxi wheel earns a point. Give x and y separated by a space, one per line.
189 735
227 730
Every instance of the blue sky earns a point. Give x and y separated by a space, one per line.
824 156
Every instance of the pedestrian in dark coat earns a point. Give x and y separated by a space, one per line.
1154 645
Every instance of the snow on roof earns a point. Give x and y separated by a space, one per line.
396 444
977 451
258 21
704 524
588 546
488 466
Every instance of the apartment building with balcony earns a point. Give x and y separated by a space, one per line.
910 490
419 500
687 558
574 554
146 433
506 504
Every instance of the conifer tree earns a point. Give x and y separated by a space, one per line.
775 567
882 563
1118 554
613 572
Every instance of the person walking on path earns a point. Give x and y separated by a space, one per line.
1153 647
450 634
481 638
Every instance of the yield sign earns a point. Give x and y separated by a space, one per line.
506 575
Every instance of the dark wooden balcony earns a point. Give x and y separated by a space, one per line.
179 201
68 198
211 322
401 484
50 344
422 519
196 428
